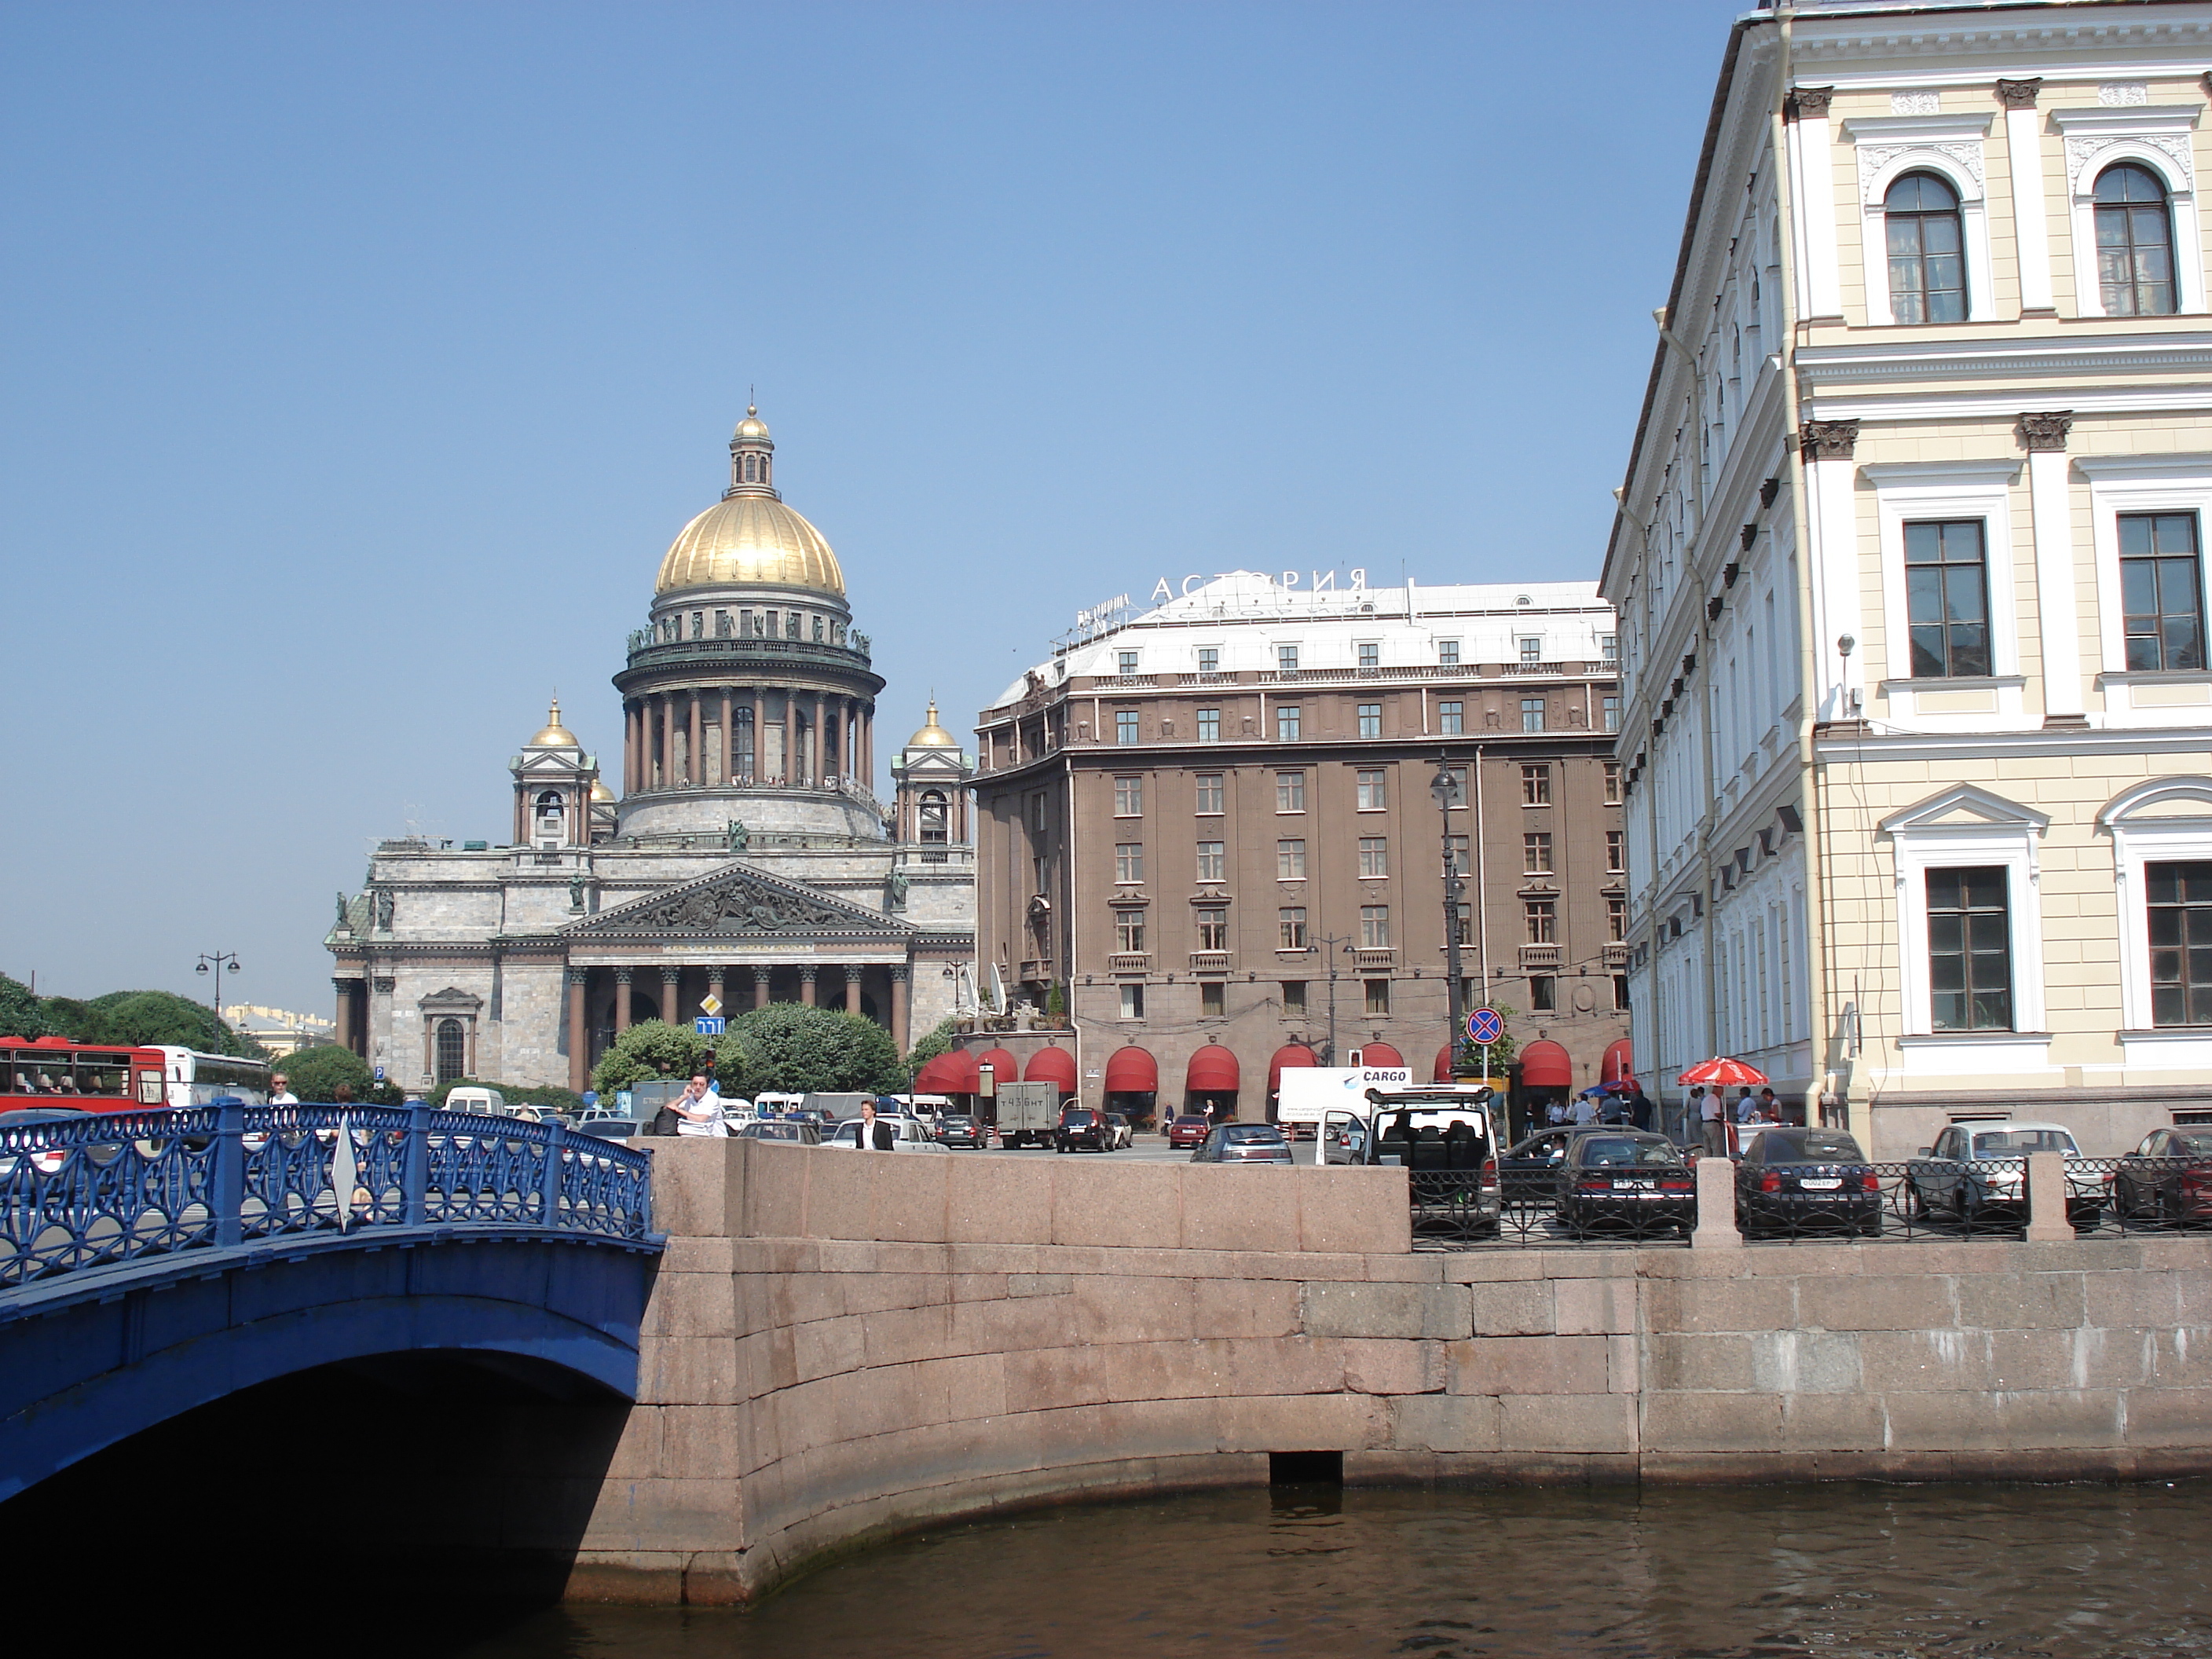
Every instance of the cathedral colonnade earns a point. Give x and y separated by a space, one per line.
731 735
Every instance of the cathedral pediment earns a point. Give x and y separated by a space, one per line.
738 900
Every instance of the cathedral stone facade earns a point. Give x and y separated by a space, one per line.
746 860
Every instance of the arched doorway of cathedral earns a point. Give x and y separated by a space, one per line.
452 1050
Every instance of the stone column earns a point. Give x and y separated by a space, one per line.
349 1013
580 1035
469 1048
629 749
714 987
806 984
759 987
729 740
671 983
695 756
790 735
853 972
901 977
760 748
1819 282
1832 510
2024 161
621 1000
2058 616
667 756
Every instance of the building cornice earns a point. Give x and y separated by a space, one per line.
2118 357
1965 748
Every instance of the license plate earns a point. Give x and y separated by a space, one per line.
1829 1186
1631 1186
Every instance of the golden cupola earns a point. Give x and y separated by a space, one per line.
555 735
932 735
750 537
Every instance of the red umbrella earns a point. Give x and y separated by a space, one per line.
1723 1072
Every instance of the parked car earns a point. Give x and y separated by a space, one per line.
1977 1173
1243 1143
2167 1178
610 1127
485 1102
1188 1130
1529 1175
1123 1134
1081 1127
1630 1180
910 1134
959 1129
772 1129
47 1160
1806 1180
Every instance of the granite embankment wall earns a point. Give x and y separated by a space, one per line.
840 1345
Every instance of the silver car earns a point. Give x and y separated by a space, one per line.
1976 1174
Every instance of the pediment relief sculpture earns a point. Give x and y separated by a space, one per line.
737 904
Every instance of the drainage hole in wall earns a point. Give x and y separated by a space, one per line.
1305 1469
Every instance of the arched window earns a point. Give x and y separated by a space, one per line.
752 469
550 819
451 1050
933 827
1927 270
2135 243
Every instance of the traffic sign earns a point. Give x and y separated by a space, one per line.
380 1074
1485 1026
706 1025
710 1004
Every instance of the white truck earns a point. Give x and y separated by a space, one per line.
1308 1094
1028 1112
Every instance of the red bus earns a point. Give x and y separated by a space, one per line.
51 1071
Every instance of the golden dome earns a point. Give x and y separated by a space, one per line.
749 538
555 735
932 735
601 795
752 426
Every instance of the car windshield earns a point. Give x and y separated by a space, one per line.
2011 1143
957 1122
1601 1152
1815 1147
1077 1119
1251 1133
777 1132
2200 1141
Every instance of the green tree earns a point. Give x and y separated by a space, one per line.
21 1013
651 1049
143 1016
800 1050
1469 1057
938 1040
317 1071
733 1066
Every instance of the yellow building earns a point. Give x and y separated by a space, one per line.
279 1031
1918 731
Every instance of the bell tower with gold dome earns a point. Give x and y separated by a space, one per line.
748 697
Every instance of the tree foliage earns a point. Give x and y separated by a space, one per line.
137 1018
317 1071
1468 1056
651 1049
22 1012
790 1048
938 1040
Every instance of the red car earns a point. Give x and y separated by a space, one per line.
1188 1130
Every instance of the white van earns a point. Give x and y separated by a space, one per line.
484 1103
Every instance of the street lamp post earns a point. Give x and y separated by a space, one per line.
220 961
1445 788
1335 945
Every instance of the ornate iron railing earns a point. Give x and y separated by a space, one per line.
1456 1209
114 1188
2141 1194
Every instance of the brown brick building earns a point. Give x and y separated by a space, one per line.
1200 821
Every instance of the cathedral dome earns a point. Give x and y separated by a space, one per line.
555 735
932 735
750 536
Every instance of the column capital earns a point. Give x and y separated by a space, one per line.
670 975
578 976
344 983
385 984
1807 103
2046 430
2019 94
806 975
622 976
1828 440
900 971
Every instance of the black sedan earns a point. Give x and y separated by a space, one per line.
957 1129
1530 1174
1627 1180
1806 1180
2167 1178
1243 1143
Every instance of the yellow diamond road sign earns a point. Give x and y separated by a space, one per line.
710 1005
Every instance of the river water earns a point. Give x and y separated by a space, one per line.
1829 1573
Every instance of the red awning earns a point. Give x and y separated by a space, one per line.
1212 1072
1052 1065
1545 1065
1289 1056
1618 1062
1444 1064
1133 1071
957 1073
1380 1053
927 1076
1004 1067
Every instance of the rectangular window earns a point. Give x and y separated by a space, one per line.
1209 660
1447 653
1535 786
1291 927
1128 797
1543 994
1947 599
1294 996
2161 593
1613 783
1209 725
2180 899
1286 659
1370 719
1532 713
1374 857
1459 785
1532 650
1129 930
1286 725
1213 860
1036 813
1464 924
1542 917
1289 861
1211 793
1378 996
1608 647
1612 714
1620 993
1125 725
1212 996
1290 792
1212 930
1536 853
1130 861
1133 1002
1374 926
1616 920
1036 880
1125 661
1616 850
1451 719
1458 847
1373 790
1970 950
1371 655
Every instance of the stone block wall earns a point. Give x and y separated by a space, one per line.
840 1345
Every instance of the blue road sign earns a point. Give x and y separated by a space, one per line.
708 1025
380 1074
1485 1026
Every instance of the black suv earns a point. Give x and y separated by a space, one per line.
1081 1127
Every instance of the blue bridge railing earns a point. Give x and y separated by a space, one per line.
117 1187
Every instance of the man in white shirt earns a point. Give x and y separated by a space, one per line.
875 1137
280 1092
698 1112
1712 1112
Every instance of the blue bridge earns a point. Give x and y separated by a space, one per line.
154 1263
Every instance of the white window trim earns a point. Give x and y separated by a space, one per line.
2139 838
1950 146
2006 835
2161 138
1922 491
2141 484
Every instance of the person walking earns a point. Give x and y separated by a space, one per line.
876 1135
698 1111
280 1092
1712 1113
1640 1106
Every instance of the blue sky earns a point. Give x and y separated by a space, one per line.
361 362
